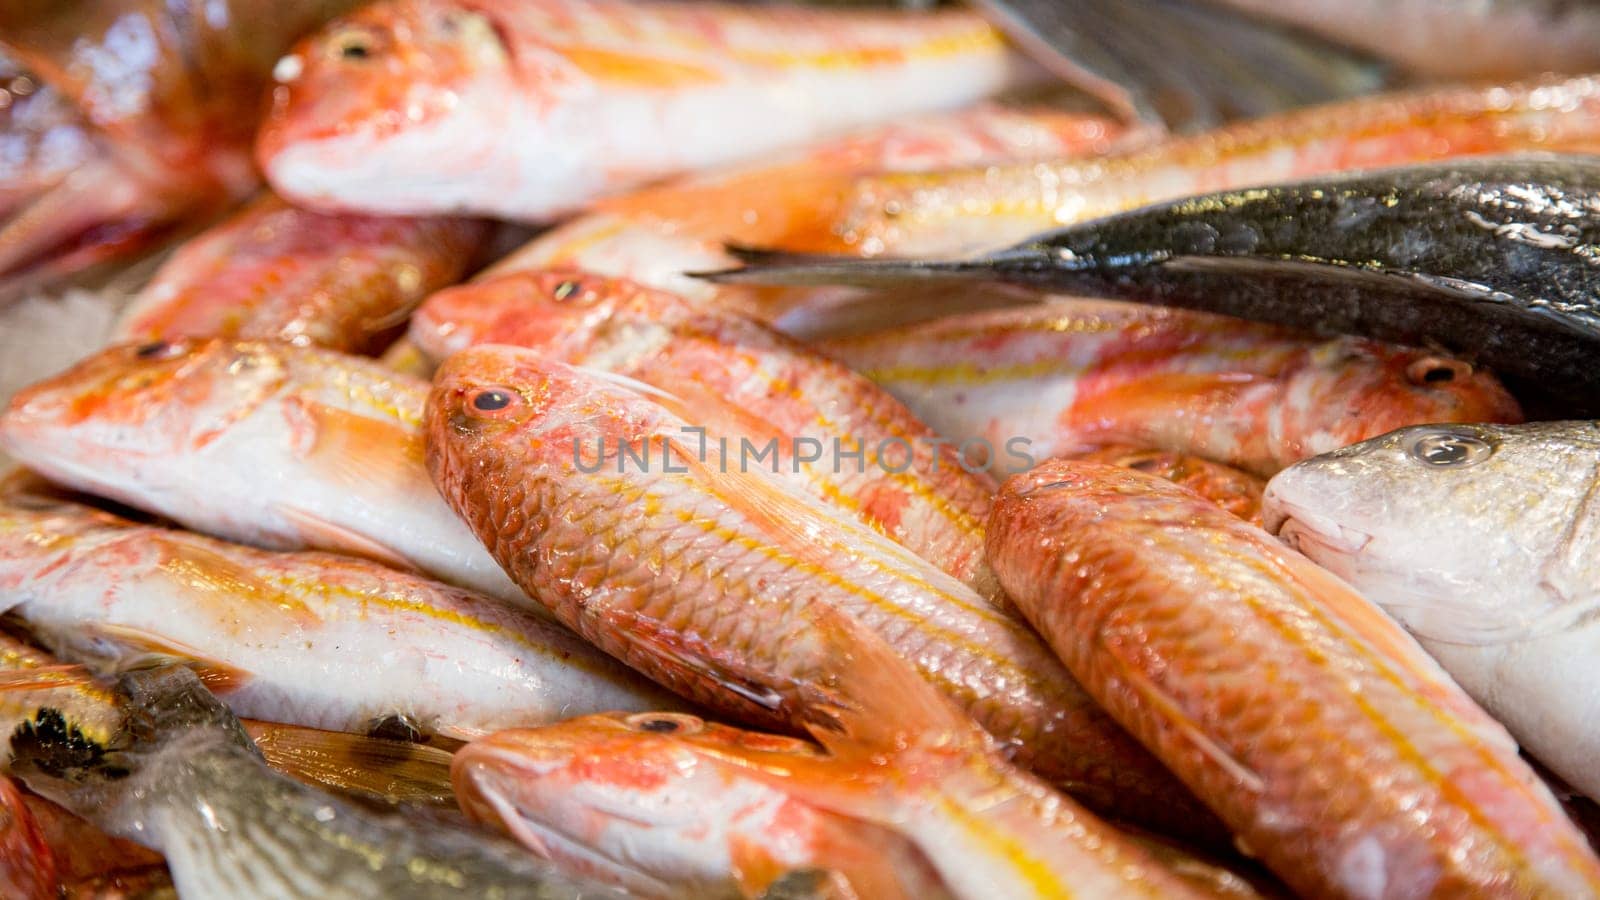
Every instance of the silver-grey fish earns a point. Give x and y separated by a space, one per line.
185 779
1484 541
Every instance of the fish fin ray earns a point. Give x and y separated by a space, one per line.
322 534
150 648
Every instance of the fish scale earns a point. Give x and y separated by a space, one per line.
744 382
625 559
1336 749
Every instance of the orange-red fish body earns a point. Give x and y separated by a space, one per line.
1069 375
837 435
273 272
1335 748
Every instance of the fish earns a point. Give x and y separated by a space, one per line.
965 210
28 867
1449 38
653 803
693 564
655 234
1181 64
1487 258
160 101
1474 537
528 111
274 272
837 436
1338 752
1068 376
1235 491
257 442
898 755
297 638
183 778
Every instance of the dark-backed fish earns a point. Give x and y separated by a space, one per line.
1493 259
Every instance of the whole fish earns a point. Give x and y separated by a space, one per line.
273 272
965 210
170 92
692 564
837 436
900 757
311 639
664 805
530 110
1235 491
1481 540
184 778
1489 258
282 447
1336 750
1453 38
1072 375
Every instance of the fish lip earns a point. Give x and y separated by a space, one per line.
1299 528
538 836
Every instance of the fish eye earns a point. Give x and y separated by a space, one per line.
492 400
354 44
566 290
1450 450
665 723
158 350
1433 370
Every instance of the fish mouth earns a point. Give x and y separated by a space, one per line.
1312 535
546 840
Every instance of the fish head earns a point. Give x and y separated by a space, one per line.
1466 533
558 311
647 796
414 85
1351 389
518 414
160 401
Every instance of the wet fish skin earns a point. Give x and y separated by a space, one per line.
1235 491
28 869
968 210
170 93
298 637
195 788
1338 752
1486 555
1450 38
898 755
1066 376
263 443
402 106
741 380
669 814
273 272
664 569
1484 257
656 234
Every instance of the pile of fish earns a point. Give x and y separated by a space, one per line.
921 453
